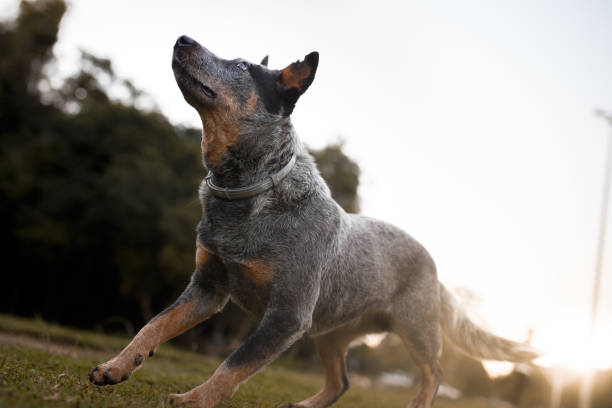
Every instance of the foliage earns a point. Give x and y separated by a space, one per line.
341 174
98 198
26 48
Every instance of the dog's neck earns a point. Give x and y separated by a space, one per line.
257 154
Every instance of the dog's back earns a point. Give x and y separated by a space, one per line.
273 240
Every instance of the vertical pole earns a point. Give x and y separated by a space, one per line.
587 382
602 231
557 388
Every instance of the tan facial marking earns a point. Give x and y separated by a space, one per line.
220 128
202 255
251 102
257 271
220 132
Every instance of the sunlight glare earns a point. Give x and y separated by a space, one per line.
575 349
497 368
374 340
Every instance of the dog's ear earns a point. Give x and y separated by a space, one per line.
295 79
264 61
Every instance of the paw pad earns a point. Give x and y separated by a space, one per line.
107 379
91 374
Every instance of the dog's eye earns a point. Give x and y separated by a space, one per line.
242 66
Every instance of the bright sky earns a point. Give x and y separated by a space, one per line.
483 112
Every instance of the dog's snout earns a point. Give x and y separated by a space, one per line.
184 41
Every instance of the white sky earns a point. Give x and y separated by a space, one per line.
481 111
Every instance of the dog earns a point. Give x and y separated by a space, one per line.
273 241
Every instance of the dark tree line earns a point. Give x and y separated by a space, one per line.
98 198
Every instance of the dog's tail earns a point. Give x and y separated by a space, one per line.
474 340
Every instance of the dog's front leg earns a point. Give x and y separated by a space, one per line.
276 332
200 300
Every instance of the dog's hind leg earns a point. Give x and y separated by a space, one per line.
332 347
200 300
332 350
416 322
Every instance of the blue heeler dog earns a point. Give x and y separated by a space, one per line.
273 240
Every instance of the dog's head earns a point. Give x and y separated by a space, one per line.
234 96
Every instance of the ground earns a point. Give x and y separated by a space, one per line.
46 365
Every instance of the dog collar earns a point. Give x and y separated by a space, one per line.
252 190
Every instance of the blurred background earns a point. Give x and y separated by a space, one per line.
484 111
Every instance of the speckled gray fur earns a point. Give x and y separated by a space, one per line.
330 269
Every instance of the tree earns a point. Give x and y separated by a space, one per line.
98 198
97 195
341 174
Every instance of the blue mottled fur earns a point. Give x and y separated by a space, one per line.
335 276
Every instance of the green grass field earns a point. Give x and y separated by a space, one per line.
43 364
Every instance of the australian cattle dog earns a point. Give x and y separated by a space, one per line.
273 241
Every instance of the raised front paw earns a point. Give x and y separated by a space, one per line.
114 371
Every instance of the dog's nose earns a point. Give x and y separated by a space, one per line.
184 41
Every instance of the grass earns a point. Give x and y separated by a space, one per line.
46 365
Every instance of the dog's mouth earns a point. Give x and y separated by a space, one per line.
188 81
207 91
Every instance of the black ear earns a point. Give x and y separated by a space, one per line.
264 61
295 79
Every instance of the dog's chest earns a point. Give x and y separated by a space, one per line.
249 295
248 276
232 243
233 231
